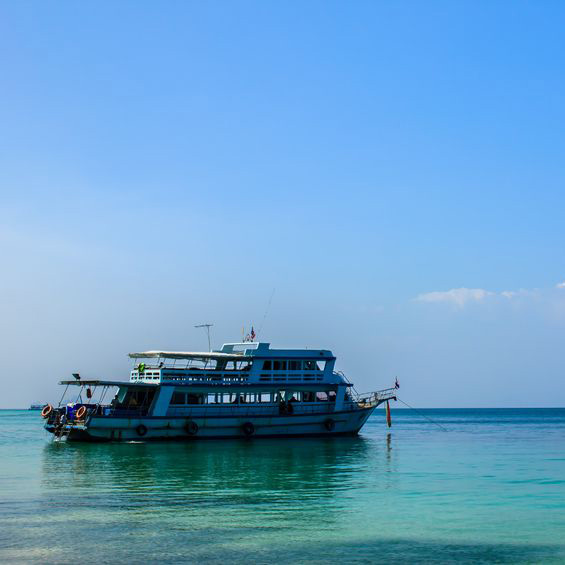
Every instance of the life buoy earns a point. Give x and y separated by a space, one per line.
329 424
191 428
141 430
46 411
248 429
80 413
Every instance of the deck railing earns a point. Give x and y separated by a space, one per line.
205 410
368 399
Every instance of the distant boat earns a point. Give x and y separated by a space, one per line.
245 389
37 406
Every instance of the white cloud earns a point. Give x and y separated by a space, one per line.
461 296
548 302
509 293
457 296
523 292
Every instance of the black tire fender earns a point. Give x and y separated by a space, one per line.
191 428
141 430
329 424
248 429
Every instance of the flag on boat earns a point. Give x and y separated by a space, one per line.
388 418
252 335
396 385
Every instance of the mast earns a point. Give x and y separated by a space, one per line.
207 326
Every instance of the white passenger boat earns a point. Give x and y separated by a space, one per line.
242 390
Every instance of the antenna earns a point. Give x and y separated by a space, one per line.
265 315
207 326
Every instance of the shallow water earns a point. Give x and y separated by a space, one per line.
490 489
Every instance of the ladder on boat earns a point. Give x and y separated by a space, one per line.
63 430
62 433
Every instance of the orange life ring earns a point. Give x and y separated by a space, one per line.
46 411
81 412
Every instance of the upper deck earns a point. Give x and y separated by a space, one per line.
236 363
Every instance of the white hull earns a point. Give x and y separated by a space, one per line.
210 427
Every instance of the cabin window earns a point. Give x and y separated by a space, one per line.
308 396
133 399
321 396
178 398
237 398
266 365
310 365
265 397
276 365
194 398
294 365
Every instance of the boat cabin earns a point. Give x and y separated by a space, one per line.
238 374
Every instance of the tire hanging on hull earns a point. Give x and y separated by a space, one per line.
248 429
191 428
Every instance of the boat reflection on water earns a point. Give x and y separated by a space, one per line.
207 498
216 470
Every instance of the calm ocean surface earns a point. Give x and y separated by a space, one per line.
491 489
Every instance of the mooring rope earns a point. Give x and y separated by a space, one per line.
423 415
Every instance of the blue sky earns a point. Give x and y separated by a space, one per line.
167 164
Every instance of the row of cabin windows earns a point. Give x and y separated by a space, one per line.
293 365
182 398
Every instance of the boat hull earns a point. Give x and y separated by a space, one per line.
105 428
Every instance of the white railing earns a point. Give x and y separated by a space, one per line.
368 399
205 410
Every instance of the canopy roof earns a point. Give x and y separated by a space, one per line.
86 382
186 355
238 351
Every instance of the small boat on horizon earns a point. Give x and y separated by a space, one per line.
242 390
37 406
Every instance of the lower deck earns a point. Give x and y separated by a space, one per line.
115 428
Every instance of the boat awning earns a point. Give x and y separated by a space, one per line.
186 355
85 382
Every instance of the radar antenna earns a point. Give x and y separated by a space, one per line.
207 326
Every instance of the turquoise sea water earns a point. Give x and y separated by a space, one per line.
491 489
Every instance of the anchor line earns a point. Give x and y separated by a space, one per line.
423 415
